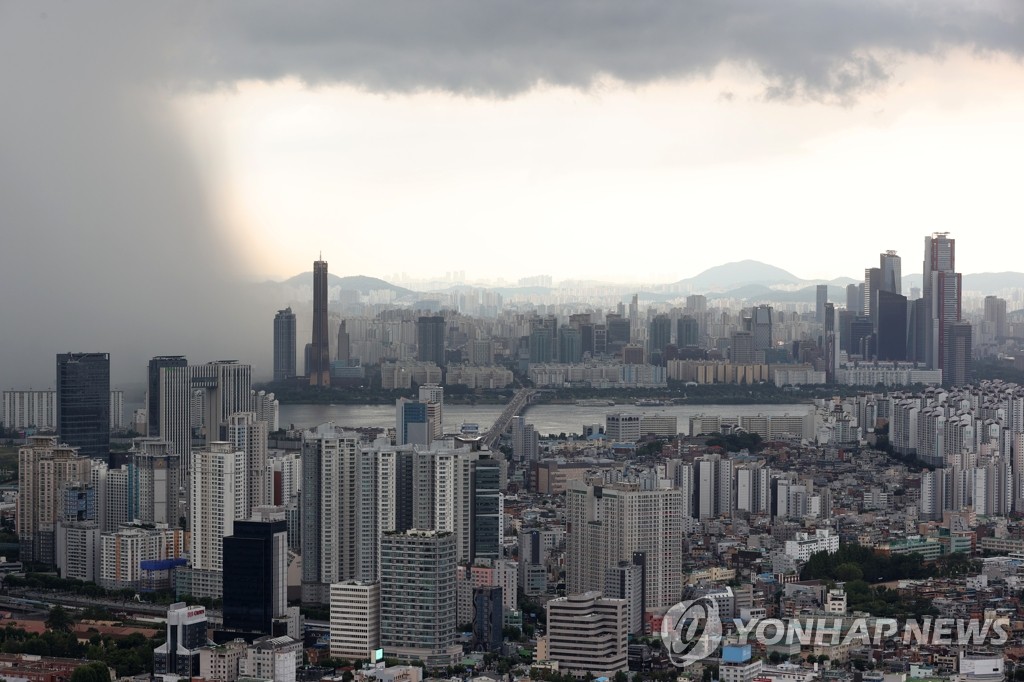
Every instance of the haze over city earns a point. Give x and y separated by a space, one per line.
214 146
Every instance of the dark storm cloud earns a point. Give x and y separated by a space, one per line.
815 48
108 241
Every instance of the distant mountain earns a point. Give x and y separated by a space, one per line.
978 282
360 283
757 292
993 282
740 273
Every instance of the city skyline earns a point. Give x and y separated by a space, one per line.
213 146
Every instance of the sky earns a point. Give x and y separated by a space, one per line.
157 158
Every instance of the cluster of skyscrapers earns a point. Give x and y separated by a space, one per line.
881 323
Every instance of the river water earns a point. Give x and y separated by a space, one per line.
545 418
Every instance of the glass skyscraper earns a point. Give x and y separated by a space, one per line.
83 402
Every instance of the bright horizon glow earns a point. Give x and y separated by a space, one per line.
620 183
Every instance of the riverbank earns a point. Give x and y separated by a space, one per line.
547 418
675 394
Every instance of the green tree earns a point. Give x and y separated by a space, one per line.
59 620
848 571
91 672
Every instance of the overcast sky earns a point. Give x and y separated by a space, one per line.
153 156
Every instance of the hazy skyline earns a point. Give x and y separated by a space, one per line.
154 157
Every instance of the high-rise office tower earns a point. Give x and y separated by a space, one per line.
256 570
861 337
660 334
917 322
687 332
329 506
186 634
320 356
44 467
830 340
995 316
284 345
415 422
193 396
588 634
959 360
544 336
587 344
540 348
417 597
872 284
761 327
355 619
889 264
853 300
618 332
942 292
488 509
607 524
83 402
153 388
570 345
344 343
891 334
741 348
820 299
430 339
488 617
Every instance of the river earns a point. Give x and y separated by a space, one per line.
545 418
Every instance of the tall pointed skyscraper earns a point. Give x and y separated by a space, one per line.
320 357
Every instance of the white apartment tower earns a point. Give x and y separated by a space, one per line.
329 510
609 524
249 434
217 498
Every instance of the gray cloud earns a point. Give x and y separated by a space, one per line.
107 238
813 48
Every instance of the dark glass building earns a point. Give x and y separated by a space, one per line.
618 332
687 332
284 345
659 334
430 331
892 326
320 356
488 616
153 388
255 586
487 509
83 402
